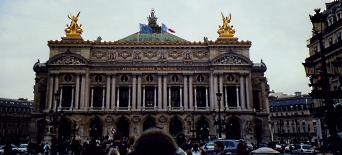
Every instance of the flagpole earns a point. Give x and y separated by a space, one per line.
139 32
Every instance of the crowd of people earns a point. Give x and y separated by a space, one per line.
151 142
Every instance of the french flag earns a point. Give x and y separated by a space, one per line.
165 29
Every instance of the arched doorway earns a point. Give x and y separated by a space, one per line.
95 128
233 129
149 123
202 129
122 127
64 130
175 126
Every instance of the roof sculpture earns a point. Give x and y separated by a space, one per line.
226 31
73 30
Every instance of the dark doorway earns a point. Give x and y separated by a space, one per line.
64 130
258 130
149 123
122 127
40 130
202 129
67 96
95 128
175 126
233 129
231 96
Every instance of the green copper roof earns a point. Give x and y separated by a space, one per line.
154 37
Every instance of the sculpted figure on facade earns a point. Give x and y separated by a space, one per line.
225 30
136 54
161 54
187 55
73 29
111 55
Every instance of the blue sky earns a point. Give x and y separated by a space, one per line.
278 30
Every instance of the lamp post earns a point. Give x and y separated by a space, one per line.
320 80
219 121
54 122
193 124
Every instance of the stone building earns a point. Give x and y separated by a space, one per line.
15 120
151 78
291 120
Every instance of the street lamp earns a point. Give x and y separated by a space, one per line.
54 122
219 121
320 80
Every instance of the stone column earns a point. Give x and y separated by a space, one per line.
215 91
180 97
185 85
237 97
139 93
108 93
77 95
155 98
50 93
143 89
118 98
83 84
206 98
165 93
92 98
72 98
134 92
242 91
225 97
87 92
211 91
221 88
129 97
247 91
195 94
160 97
113 100
103 96
191 96
56 87
60 98
169 87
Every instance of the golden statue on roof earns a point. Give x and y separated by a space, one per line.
73 30
226 31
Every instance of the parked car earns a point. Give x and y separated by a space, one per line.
230 146
22 148
303 148
288 147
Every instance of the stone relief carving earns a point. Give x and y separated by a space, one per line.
109 119
111 55
256 82
150 54
230 60
68 60
136 119
42 82
125 54
99 54
136 54
175 54
200 54
162 119
162 54
187 54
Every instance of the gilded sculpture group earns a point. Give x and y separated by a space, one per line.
75 30
225 30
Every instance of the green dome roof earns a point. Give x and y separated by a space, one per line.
154 37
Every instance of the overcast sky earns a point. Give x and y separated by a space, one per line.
278 30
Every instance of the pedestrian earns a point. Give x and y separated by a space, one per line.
240 147
195 150
46 148
181 142
218 148
155 142
32 149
